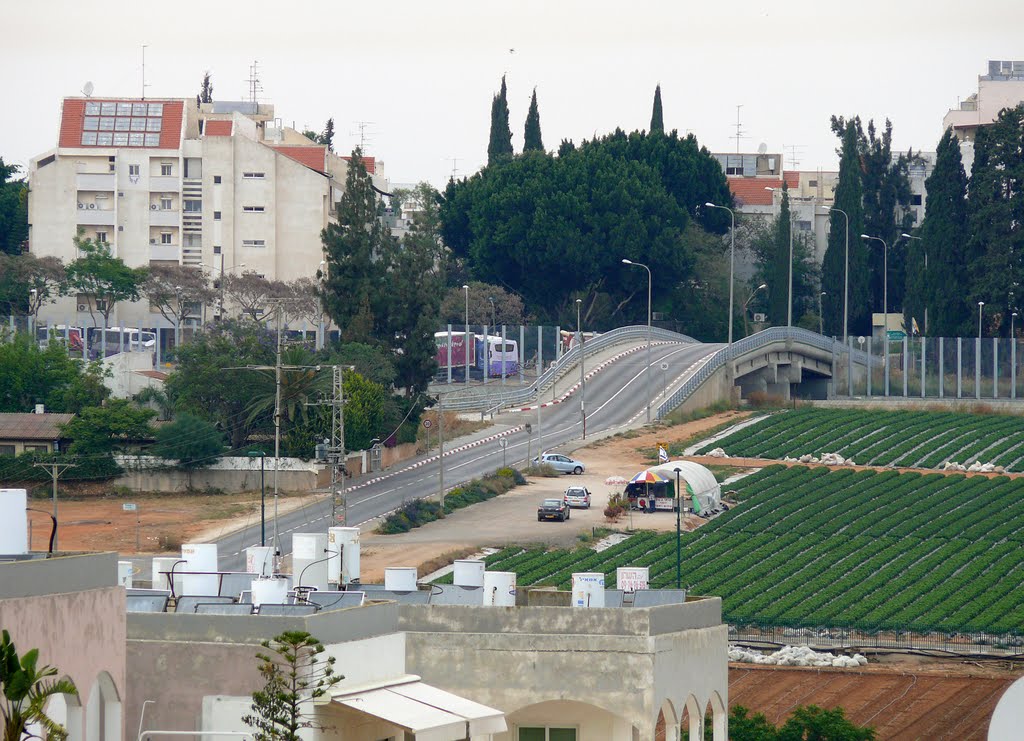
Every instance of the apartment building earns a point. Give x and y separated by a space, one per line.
1002 87
220 187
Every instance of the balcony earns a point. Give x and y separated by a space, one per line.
95 216
164 183
164 252
164 217
95 181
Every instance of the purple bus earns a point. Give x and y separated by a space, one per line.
497 357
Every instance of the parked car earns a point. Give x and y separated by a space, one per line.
560 462
577 496
553 509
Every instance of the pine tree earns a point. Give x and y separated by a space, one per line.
327 138
206 91
943 238
777 273
532 141
500 145
657 118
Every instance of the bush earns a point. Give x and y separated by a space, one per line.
764 400
544 470
21 469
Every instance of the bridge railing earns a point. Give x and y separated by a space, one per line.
481 398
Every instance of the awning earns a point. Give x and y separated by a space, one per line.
431 714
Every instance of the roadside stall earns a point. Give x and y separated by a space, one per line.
653 489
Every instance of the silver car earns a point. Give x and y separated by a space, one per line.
561 463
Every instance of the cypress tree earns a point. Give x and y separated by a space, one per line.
657 118
500 144
532 141
777 274
943 237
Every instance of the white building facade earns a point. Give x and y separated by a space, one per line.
1002 87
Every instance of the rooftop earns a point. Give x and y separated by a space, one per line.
15 426
751 191
121 122
217 128
314 157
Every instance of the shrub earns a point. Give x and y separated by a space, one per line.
544 470
764 400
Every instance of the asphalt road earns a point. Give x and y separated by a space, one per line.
615 398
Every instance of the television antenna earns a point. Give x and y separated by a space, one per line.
255 86
144 83
364 136
740 133
795 150
455 166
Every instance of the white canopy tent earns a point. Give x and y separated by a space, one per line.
699 481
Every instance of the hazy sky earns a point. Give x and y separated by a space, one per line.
424 72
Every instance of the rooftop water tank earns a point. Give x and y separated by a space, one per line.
400 579
469 573
499 589
588 589
200 557
309 560
259 559
343 567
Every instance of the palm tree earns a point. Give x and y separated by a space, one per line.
25 692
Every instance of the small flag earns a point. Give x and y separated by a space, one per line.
662 455
917 330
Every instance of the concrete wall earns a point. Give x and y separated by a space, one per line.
225 480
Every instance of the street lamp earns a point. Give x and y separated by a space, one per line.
925 248
583 387
487 345
465 348
679 541
821 313
981 306
732 258
846 274
263 495
649 282
747 303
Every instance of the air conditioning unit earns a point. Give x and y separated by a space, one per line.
92 205
152 241
153 207
120 194
83 307
81 205
120 228
760 317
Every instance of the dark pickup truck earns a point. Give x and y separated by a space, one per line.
553 509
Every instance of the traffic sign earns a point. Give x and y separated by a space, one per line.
427 423
129 507
895 334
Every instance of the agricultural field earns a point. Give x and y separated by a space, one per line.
880 438
810 547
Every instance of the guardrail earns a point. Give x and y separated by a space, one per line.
480 399
752 343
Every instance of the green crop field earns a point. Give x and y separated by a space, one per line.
879 438
819 547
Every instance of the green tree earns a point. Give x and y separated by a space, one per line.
817 724
359 250
848 198
657 117
25 689
13 210
205 89
296 674
370 361
211 382
192 442
327 138
995 204
30 376
532 141
943 238
177 292
103 277
105 429
777 268
500 144
27 283
746 727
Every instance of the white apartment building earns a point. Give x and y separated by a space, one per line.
221 187
1002 87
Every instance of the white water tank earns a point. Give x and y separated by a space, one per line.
588 589
469 573
271 591
13 522
632 578
499 589
162 566
125 571
309 560
343 567
259 559
200 557
400 578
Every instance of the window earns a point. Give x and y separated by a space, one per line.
165 237
101 237
253 209
216 179
804 226
540 733
133 170
915 199
165 203
254 243
92 108
193 205
37 448
216 215
120 140
88 139
152 140
812 183
253 175
216 249
165 169
6 450
104 139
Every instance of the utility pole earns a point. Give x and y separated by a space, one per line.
55 470
277 424
336 444
440 446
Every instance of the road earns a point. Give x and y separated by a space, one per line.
616 398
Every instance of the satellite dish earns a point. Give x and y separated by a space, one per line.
762 148
87 89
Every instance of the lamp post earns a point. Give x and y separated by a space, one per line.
981 307
789 308
747 303
925 248
1012 317
263 495
465 340
321 329
821 313
583 386
885 306
487 344
732 258
649 281
679 540
846 274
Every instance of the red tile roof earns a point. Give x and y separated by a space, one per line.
751 191
370 163
14 426
313 157
217 128
73 118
